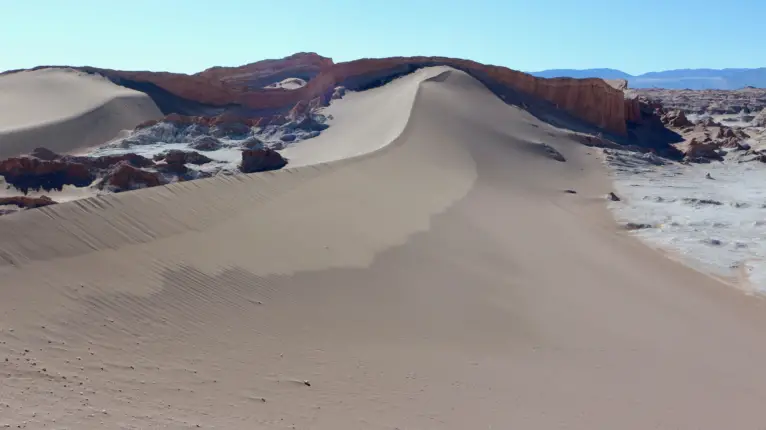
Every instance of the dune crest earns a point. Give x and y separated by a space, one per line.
66 110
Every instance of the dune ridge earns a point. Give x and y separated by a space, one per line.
145 215
446 280
66 110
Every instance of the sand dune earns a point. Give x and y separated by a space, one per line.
65 110
442 281
288 84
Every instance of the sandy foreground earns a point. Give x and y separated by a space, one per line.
445 281
65 110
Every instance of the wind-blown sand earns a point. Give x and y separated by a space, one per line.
65 110
443 281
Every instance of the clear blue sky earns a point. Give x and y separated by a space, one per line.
190 35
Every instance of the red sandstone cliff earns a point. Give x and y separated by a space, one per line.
240 89
257 75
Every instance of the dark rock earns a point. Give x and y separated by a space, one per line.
732 142
232 130
709 122
613 197
107 161
27 202
706 149
741 134
288 137
45 154
176 160
637 226
676 118
697 202
205 143
570 191
260 160
124 177
697 160
27 173
176 156
553 153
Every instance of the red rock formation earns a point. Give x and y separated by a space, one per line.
633 110
124 177
27 202
676 118
107 161
176 156
257 75
27 173
591 100
702 150
176 160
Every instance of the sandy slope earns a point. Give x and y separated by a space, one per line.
288 84
65 110
445 281
361 122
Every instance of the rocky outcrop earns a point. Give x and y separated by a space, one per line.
107 161
124 177
700 141
176 160
50 171
714 102
708 122
760 119
633 110
257 75
700 151
676 118
176 156
30 173
261 160
25 202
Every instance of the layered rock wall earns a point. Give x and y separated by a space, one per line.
239 90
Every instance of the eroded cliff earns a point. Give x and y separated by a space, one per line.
240 92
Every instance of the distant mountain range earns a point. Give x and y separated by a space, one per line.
693 79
